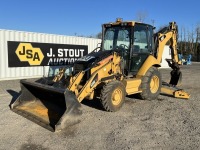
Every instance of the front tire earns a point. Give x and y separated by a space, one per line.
112 96
151 84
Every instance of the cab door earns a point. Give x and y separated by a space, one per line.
141 46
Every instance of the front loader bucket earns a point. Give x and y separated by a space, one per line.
52 108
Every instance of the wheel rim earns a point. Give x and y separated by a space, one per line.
116 96
154 84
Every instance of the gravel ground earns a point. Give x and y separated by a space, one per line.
165 123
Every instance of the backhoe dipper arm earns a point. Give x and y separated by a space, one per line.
166 34
170 34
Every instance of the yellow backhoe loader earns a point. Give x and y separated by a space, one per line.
126 63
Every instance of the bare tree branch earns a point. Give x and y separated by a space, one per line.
141 16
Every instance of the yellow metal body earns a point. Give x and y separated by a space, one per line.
132 85
111 66
105 68
53 107
150 61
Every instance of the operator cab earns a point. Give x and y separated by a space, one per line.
133 40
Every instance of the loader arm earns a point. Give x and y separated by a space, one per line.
109 68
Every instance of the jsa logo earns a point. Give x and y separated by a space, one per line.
26 52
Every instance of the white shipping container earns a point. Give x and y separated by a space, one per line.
7 73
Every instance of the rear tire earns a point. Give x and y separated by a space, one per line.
112 96
151 84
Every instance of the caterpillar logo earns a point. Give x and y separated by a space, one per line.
32 55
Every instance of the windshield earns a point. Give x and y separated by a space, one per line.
54 70
116 37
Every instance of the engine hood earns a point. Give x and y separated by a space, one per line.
94 57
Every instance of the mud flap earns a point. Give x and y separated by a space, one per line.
52 108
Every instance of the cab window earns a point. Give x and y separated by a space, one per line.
140 40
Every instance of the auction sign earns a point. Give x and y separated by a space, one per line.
22 54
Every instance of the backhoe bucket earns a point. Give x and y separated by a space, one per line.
52 108
176 78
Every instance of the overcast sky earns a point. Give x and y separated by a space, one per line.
84 17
